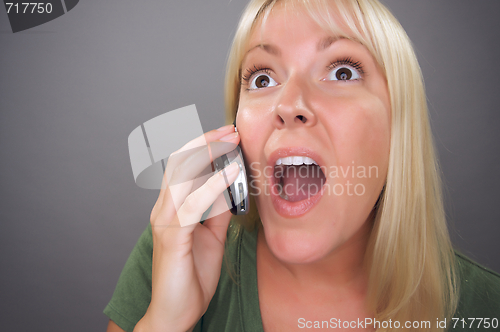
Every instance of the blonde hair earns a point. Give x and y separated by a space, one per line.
410 256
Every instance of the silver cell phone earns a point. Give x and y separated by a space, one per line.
236 194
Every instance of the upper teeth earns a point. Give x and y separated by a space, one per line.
295 160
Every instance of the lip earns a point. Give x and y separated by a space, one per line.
286 208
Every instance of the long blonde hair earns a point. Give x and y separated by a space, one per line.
410 257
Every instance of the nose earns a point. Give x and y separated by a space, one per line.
292 108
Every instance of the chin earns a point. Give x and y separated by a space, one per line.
295 247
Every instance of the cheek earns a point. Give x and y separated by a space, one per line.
252 132
361 142
362 133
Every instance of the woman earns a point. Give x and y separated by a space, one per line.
326 94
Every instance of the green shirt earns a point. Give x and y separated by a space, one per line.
236 307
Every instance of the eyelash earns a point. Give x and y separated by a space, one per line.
347 61
251 71
341 62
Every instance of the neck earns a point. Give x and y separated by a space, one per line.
342 269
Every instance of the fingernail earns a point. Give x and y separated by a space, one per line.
224 128
232 169
229 137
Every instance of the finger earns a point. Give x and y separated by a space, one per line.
200 200
218 224
220 206
164 209
201 142
218 148
193 161
216 134
208 137
161 197
197 163
193 172
179 180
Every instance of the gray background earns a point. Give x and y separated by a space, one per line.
72 90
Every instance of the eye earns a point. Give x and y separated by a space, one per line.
262 80
345 69
344 73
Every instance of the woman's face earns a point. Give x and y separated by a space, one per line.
307 93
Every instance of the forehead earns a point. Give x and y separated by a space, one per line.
295 28
291 19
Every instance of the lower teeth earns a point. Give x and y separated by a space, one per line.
281 191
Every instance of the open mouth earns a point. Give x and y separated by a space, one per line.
297 178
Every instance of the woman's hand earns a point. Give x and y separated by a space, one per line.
187 260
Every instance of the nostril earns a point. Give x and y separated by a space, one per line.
302 118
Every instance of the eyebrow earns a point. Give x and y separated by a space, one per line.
327 42
323 44
271 49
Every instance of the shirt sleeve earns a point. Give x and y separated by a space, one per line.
132 294
479 292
